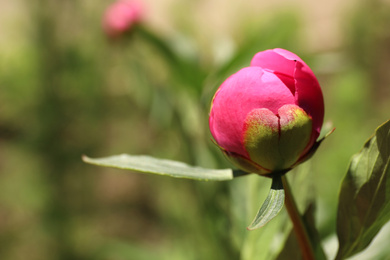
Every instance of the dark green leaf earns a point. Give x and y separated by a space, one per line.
364 201
148 164
271 206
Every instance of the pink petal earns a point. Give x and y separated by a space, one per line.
309 95
279 61
275 61
287 54
306 87
308 92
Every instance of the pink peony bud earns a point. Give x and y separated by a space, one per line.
120 16
266 117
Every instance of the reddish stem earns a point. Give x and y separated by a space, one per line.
299 228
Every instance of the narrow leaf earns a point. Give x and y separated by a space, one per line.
271 206
148 164
364 201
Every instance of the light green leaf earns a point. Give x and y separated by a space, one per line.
271 206
364 201
148 164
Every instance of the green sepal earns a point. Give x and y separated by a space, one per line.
276 141
243 163
295 132
261 138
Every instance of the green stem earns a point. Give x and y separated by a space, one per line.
298 225
163 47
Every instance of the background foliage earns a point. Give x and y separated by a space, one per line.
66 90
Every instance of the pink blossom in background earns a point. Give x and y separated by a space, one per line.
120 16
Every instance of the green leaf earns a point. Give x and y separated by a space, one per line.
148 164
261 244
364 201
271 206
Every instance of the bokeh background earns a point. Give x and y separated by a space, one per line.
67 90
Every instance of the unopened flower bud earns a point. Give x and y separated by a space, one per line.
267 117
120 16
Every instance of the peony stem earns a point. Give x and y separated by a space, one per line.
299 228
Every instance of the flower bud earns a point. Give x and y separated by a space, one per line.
120 16
267 117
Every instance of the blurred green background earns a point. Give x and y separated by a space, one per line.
67 90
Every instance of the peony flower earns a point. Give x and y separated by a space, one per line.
266 118
120 16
